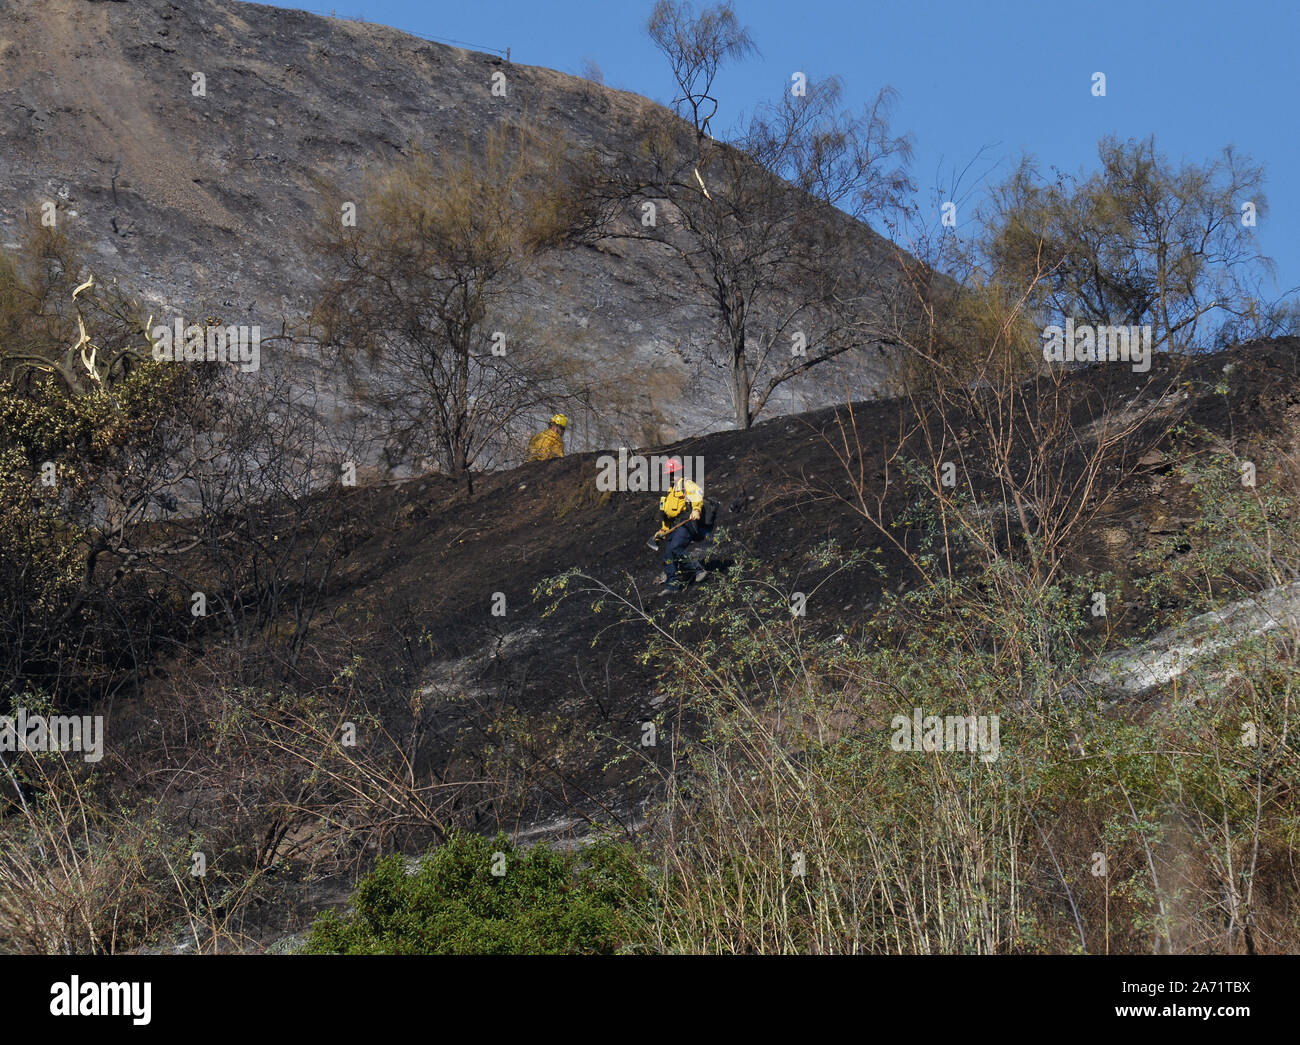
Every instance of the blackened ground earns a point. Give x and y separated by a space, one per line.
426 563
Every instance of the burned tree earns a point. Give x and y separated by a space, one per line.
420 307
762 221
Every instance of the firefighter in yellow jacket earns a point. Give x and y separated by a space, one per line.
680 524
549 442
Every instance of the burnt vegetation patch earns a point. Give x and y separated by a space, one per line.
333 619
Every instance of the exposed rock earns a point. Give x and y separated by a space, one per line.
1176 651
203 203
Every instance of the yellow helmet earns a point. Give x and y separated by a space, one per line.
561 420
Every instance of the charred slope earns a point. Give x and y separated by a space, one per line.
427 564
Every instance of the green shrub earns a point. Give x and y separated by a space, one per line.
546 902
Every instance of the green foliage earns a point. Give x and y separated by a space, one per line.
83 428
546 902
1241 538
1141 240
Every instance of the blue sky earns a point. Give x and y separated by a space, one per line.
1002 76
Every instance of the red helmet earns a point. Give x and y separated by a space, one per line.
673 465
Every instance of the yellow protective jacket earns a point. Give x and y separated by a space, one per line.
545 445
680 495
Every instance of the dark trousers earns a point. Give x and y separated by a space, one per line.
675 560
